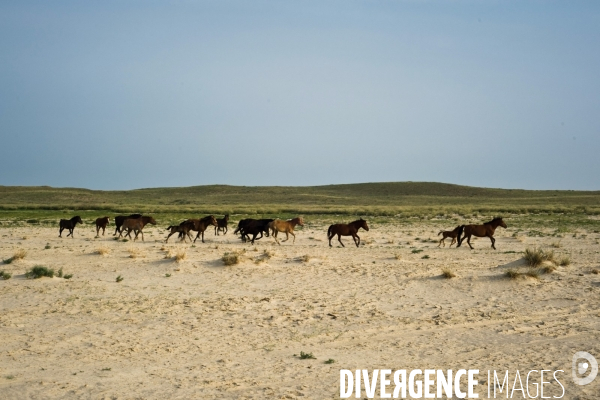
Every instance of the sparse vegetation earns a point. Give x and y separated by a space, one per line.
230 258
119 278
5 275
39 271
416 251
425 257
167 275
47 246
448 274
305 258
330 361
60 273
68 276
307 356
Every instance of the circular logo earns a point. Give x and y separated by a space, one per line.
580 367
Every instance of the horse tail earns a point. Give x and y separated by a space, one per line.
440 233
170 226
460 232
329 230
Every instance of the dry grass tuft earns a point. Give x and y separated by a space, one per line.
103 251
448 274
19 255
230 258
398 257
556 245
565 261
535 257
512 274
134 253
548 269
180 256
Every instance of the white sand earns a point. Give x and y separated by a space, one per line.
211 331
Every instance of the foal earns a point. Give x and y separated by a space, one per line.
448 234
101 223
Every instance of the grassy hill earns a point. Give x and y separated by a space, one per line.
401 199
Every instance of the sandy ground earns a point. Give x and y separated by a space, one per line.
215 331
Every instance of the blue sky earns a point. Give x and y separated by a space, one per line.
131 94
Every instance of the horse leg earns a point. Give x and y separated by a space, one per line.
493 242
293 241
225 231
330 237
355 236
287 236
440 243
60 232
103 229
142 232
70 233
451 243
340 240
97 231
469 241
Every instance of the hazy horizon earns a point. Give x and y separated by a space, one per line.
121 95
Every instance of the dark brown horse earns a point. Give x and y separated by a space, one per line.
222 225
487 229
347 230
101 223
69 224
136 225
200 225
183 229
287 227
119 219
449 234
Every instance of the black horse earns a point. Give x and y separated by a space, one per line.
222 225
69 224
254 227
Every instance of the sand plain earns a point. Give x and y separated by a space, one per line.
215 331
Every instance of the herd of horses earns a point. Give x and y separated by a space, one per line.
267 227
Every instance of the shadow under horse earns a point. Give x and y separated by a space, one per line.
487 229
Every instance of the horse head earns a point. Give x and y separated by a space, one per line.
151 220
77 219
363 224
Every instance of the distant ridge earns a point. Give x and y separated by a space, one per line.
377 198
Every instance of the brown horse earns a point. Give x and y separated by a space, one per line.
69 224
287 227
101 223
487 229
119 219
222 225
183 229
136 225
448 234
201 224
347 230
